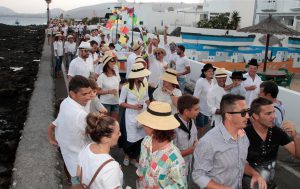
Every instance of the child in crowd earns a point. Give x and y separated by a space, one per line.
186 134
95 105
236 86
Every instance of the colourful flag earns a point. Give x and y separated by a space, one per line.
108 25
122 40
134 19
113 17
124 29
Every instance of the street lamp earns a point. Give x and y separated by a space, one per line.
48 11
117 8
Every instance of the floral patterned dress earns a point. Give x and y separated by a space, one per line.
164 168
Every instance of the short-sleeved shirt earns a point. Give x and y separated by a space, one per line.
161 96
183 142
164 168
201 89
181 64
70 47
157 69
109 83
78 66
111 175
255 151
279 113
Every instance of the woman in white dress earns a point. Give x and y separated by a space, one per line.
203 85
108 83
169 92
104 132
134 98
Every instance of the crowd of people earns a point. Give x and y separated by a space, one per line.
225 135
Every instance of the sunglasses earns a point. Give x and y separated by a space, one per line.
243 112
158 53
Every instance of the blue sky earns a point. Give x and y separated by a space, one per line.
39 6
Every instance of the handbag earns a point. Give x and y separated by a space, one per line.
84 186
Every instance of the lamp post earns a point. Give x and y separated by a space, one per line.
118 17
48 11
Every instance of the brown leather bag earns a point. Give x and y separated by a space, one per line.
84 186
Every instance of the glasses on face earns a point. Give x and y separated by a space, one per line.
113 60
243 112
158 53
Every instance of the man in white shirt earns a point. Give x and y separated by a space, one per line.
252 82
95 36
137 49
71 122
70 50
80 65
215 94
182 67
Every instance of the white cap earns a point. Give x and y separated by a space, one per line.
84 45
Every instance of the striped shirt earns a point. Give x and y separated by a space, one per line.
220 158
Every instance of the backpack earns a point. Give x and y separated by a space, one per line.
84 186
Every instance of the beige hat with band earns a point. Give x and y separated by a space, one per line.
220 72
105 59
158 116
170 76
136 46
138 70
140 59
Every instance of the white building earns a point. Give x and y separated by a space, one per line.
285 11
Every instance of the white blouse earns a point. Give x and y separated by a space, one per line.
251 95
201 89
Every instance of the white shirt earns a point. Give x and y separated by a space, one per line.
110 176
201 89
134 132
109 83
70 47
130 60
157 69
161 96
80 67
70 132
58 48
92 58
214 97
181 64
95 38
251 95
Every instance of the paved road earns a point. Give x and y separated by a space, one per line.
288 169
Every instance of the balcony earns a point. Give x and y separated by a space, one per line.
269 6
297 6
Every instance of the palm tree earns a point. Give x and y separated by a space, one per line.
234 20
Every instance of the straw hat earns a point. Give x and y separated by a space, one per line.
221 72
158 116
170 76
105 59
87 36
70 36
160 50
138 70
58 34
140 59
136 46
84 45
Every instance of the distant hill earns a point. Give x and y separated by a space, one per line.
88 11
6 11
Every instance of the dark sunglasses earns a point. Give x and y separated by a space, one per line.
243 112
157 53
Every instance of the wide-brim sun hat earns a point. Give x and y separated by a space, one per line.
136 46
158 116
140 59
220 72
170 76
237 75
105 59
138 70
160 50
85 45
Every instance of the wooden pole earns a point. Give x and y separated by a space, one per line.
266 52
